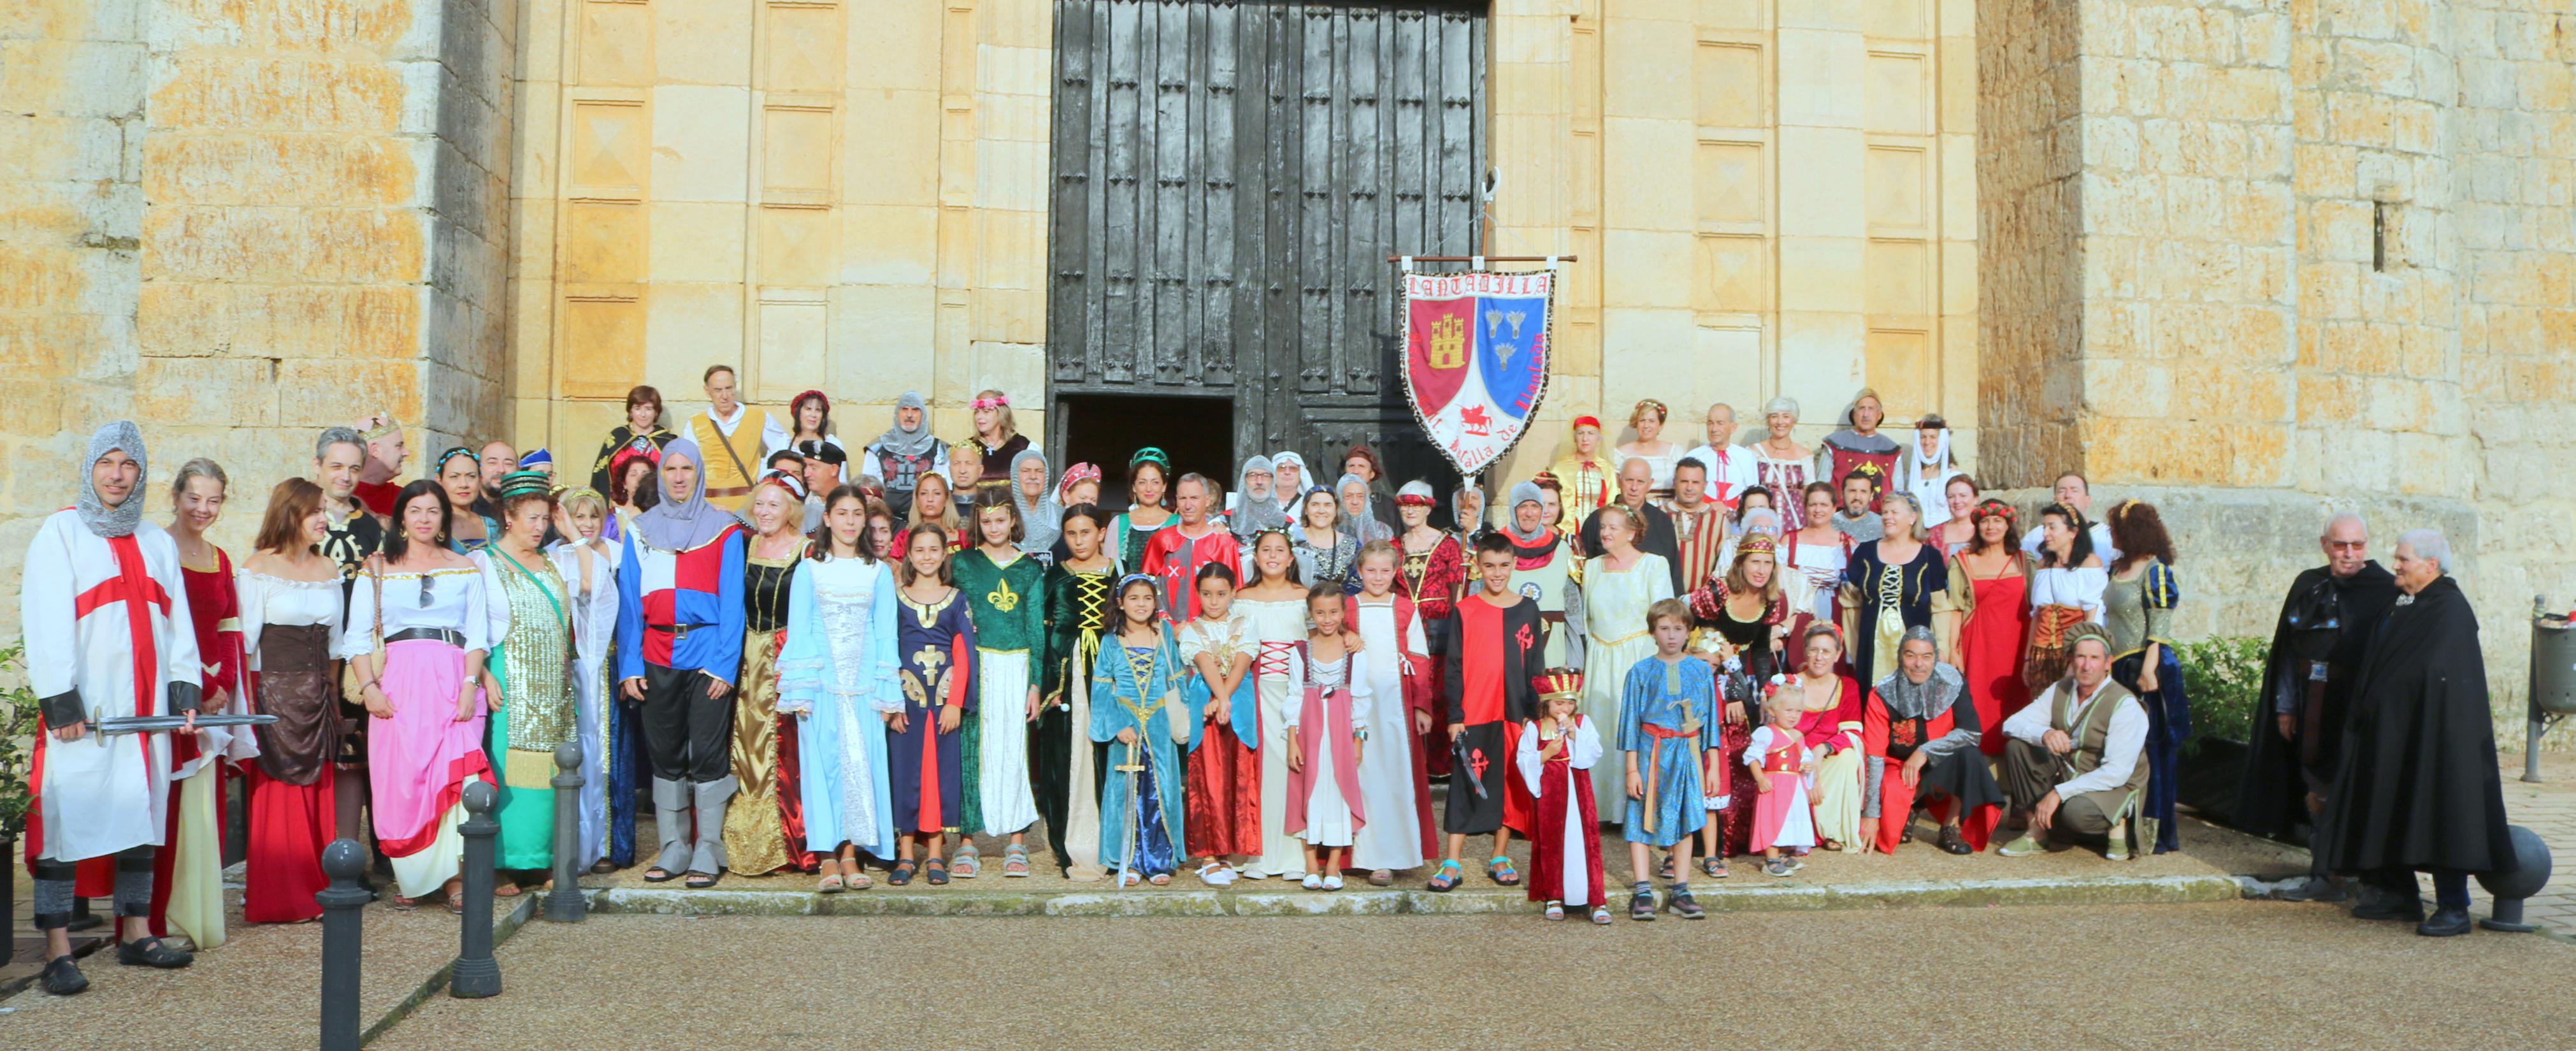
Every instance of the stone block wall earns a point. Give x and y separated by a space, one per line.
841 196
242 221
1767 198
2320 261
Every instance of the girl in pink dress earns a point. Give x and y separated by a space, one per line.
1778 757
1324 743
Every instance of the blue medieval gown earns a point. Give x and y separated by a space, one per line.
935 667
1131 687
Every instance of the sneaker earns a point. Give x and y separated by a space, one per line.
1641 906
2446 923
2118 850
2021 847
153 952
1680 903
62 977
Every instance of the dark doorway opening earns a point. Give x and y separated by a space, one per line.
1197 433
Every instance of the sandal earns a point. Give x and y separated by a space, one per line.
829 884
1500 870
399 903
1312 882
1015 862
658 874
1556 910
934 873
1601 915
1952 842
1217 874
456 900
1129 878
1448 878
702 880
1715 867
1160 879
857 881
602 867
502 888
965 864
1666 872
1381 877
902 874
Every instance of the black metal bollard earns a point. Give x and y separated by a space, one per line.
565 904
2531 872
477 974
343 860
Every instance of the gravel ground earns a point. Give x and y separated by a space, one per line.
2239 974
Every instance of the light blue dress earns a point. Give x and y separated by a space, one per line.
837 673
1128 688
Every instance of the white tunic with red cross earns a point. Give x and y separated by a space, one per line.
109 618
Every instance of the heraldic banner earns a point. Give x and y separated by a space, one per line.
1475 359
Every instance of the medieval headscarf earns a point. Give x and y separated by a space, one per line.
104 521
1907 699
1525 493
1040 519
681 526
536 457
907 442
1361 526
1305 478
1253 514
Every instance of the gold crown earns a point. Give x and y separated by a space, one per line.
1562 683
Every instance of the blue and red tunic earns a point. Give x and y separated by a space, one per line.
681 609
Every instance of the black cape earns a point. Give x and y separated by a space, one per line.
2417 786
2272 798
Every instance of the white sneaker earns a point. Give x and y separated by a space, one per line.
1333 882
1312 882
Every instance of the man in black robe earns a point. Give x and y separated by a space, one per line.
2317 645
1655 533
2416 788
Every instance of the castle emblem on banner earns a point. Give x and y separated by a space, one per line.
1475 359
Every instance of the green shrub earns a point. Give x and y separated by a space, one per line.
17 739
2225 678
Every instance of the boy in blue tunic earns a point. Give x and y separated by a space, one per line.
1667 723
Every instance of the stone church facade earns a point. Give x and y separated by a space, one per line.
2253 260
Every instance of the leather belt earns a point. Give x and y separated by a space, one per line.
675 631
449 636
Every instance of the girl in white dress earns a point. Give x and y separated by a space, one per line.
1273 609
1328 740
833 676
1392 790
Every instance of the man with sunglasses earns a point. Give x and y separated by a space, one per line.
2317 645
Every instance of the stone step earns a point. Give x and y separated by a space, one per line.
1738 894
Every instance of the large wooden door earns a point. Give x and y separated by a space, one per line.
1230 178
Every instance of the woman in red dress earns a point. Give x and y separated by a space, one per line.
187 884
1990 586
292 610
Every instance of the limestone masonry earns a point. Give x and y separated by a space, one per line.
2253 260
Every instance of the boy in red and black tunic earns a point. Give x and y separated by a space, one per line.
1495 650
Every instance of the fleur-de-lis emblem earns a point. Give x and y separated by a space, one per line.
1002 597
